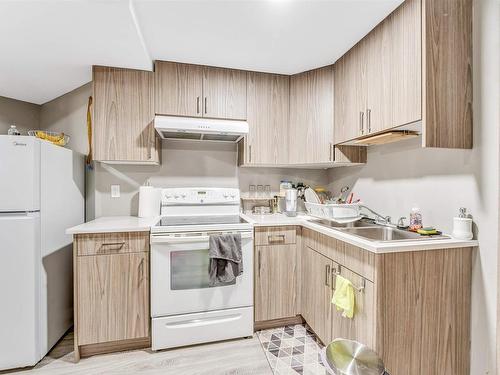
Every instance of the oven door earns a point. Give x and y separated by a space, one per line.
179 275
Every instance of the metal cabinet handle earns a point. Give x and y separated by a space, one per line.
276 238
369 119
361 120
198 104
331 151
258 260
205 104
327 275
249 153
117 246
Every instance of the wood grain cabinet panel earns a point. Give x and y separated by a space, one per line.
178 88
311 117
275 235
316 293
111 243
113 297
267 116
123 128
224 93
362 326
275 282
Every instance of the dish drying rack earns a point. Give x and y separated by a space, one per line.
341 213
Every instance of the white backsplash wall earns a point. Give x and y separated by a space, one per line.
188 164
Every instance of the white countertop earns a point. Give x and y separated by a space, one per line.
136 224
373 246
115 224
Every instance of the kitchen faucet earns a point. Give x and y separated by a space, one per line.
379 219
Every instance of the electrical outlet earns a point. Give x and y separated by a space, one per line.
115 191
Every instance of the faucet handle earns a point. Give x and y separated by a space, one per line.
401 222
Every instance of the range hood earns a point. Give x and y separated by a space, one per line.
200 129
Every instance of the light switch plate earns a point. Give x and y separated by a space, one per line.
115 191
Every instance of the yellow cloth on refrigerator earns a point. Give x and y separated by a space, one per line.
343 297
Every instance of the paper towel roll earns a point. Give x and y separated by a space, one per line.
149 201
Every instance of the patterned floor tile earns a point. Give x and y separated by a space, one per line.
292 350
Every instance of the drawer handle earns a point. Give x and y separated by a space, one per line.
117 246
276 238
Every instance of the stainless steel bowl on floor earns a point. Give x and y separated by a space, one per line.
348 357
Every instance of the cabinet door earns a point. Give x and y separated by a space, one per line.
311 117
112 297
316 293
349 96
178 88
377 51
362 327
224 93
275 282
123 116
406 66
267 112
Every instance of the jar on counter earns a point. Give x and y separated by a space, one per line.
415 219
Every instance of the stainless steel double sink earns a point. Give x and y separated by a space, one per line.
369 230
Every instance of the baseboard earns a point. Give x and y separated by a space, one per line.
281 322
114 346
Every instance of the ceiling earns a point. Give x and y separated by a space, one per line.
48 46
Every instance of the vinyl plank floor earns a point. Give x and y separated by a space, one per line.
234 357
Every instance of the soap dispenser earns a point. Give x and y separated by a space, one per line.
462 226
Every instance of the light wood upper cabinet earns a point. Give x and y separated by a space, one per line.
414 66
113 298
311 117
350 96
179 89
267 116
224 93
123 128
275 282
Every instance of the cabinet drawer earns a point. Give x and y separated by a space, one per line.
360 261
111 243
275 235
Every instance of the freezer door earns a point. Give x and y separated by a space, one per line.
20 264
19 173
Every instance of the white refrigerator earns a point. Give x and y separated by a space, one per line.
41 194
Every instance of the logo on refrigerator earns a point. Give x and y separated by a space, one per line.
18 143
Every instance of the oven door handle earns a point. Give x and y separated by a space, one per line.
189 239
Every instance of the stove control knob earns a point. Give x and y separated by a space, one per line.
183 196
176 196
226 196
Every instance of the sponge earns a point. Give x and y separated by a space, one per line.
428 231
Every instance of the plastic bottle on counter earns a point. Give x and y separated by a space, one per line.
415 219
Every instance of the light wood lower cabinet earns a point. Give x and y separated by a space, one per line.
113 291
317 292
413 308
111 301
275 281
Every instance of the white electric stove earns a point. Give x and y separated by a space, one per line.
184 309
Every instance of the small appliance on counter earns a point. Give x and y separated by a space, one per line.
291 202
462 226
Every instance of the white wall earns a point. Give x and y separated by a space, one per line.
188 164
22 114
441 181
